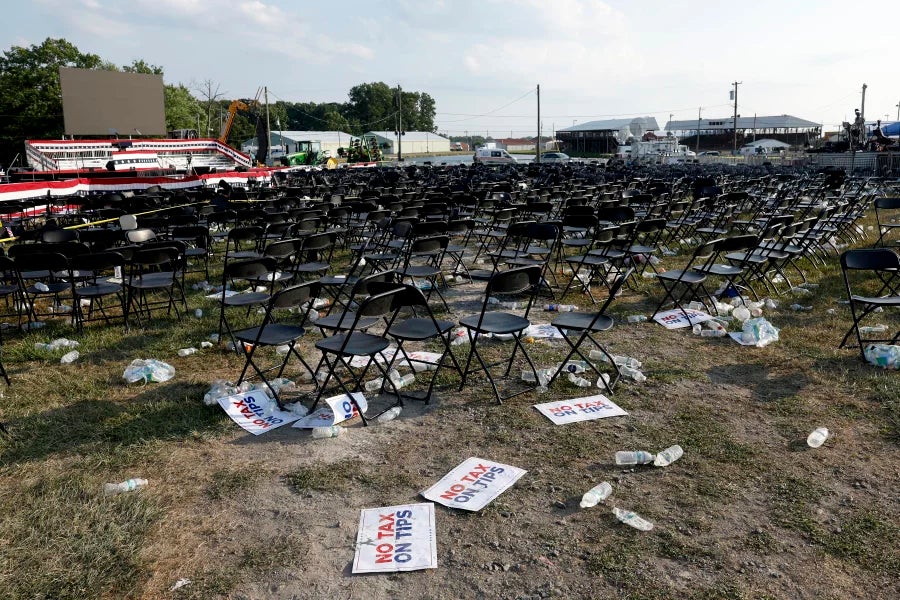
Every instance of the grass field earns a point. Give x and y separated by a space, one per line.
749 511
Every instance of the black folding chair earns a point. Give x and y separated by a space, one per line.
252 270
418 328
584 325
882 265
684 285
93 277
339 349
273 332
521 280
887 215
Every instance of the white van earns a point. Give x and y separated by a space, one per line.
492 156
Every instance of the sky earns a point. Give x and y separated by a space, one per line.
482 60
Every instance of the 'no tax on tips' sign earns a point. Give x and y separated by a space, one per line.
396 538
473 484
255 411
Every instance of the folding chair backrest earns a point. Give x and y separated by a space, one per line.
296 295
155 257
513 281
253 268
870 259
96 262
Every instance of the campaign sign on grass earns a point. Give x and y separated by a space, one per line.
580 409
396 538
255 411
473 484
337 408
674 319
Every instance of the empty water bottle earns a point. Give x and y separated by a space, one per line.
69 357
321 433
596 495
575 366
634 457
632 373
633 519
578 380
125 486
741 313
637 318
41 287
198 313
800 308
883 355
373 385
603 381
873 329
186 351
389 415
560 307
668 456
817 437
544 376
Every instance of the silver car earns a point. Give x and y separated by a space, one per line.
555 157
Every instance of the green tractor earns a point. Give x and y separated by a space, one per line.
308 153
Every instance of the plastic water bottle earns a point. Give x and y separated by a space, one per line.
717 332
873 329
198 313
817 437
596 495
321 433
741 313
632 373
373 385
696 329
603 381
544 376
206 344
389 415
41 287
69 357
186 351
575 366
637 318
578 380
633 519
633 457
800 308
126 486
668 456
560 307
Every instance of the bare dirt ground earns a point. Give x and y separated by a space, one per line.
749 511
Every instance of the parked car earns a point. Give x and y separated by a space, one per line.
555 157
709 153
493 156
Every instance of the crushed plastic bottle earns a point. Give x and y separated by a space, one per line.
69 357
741 313
41 287
596 495
205 344
575 366
389 415
321 433
817 437
668 456
578 380
771 304
560 307
637 318
800 292
198 313
880 328
883 355
148 370
634 457
632 373
633 519
800 308
219 389
544 376
603 381
126 486
187 351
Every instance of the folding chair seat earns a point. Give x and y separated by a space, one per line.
243 242
337 350
459 231
582 326
521 280
420 327
538 246
95 280
314 253
341 316
152 270
140 236
887 215
871 280
197 241
252 270
9 288
41 276
683 285
285 253
733 274
594 263
422 265
643 244
57 236
280 331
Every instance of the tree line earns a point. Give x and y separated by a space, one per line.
31 102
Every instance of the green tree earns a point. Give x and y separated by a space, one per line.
30 94
182 108
372 106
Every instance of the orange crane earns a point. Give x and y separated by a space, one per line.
232 111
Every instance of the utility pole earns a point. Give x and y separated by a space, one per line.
898 111
735 84
399 124
699 108
862 107
268 130
538 143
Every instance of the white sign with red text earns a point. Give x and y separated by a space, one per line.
473 484
676 319
338 408
588 408
255 411
396 538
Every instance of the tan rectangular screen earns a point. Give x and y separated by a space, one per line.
109 102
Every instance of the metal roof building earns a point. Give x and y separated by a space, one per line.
719 133
414 142
784 123
604 136
330 140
